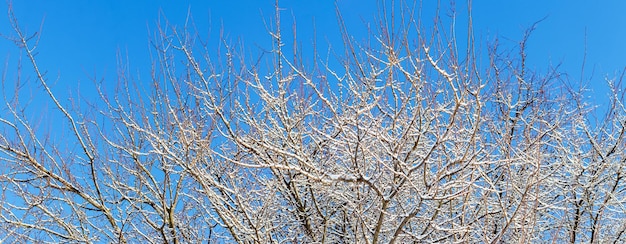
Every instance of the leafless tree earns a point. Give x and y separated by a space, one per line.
407 138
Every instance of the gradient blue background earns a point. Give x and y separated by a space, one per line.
82 39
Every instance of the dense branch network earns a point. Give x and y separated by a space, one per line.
406 140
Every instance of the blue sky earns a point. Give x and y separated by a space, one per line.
81 39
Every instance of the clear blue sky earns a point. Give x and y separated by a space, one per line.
81 38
